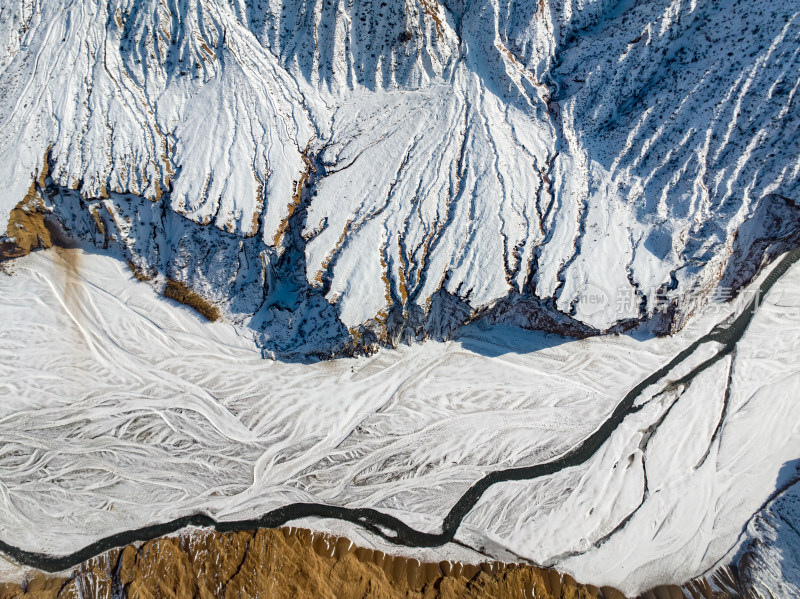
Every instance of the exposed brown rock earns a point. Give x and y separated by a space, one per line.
182 293
27 230
38 587
26 227
297 564
138 273
294 204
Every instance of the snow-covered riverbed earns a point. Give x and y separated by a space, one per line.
122 409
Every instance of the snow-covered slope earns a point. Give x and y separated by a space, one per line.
375 171
770 562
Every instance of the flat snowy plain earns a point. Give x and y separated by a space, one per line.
122 409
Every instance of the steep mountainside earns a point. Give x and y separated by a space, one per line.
334 174
770 562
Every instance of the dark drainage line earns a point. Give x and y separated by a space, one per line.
393 529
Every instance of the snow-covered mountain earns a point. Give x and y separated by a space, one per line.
339 175
334 174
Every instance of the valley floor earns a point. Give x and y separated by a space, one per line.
123 410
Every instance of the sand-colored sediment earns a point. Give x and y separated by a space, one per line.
295 563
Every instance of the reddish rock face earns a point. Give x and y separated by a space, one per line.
296 563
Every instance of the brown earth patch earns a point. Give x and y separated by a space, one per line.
295 563
181 292
138 273
26 229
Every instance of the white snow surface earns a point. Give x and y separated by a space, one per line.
480 147
122 409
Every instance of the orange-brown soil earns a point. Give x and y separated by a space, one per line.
284 563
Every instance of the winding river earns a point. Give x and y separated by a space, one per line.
394 529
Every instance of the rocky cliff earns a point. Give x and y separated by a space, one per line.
295 563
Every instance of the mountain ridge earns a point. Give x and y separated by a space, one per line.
486 158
